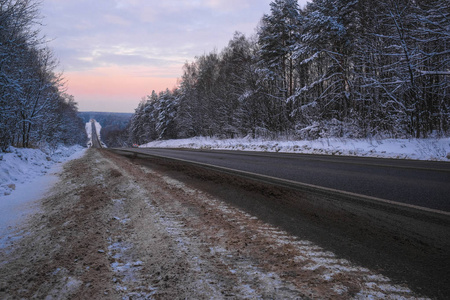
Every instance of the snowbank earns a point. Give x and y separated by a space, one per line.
22 182
419 149
19 166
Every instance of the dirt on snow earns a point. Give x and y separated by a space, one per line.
112 229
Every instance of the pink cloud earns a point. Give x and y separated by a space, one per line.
112 89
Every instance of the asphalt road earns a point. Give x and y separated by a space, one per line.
420 183
95 140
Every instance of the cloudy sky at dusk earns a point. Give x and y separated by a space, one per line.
114 52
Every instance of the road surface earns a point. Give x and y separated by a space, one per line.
95 140
408 243
119 228
419 183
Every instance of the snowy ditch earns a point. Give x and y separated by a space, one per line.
25 176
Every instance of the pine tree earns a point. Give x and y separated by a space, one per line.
165 112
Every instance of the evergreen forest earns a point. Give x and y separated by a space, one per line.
336 68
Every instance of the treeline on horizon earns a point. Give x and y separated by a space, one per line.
337 68
34 110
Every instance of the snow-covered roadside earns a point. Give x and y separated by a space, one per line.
25 176
19 166
419 149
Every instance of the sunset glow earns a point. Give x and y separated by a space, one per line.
113 53
112 89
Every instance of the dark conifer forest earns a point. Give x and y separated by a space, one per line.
336 68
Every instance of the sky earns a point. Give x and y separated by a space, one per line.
112 53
